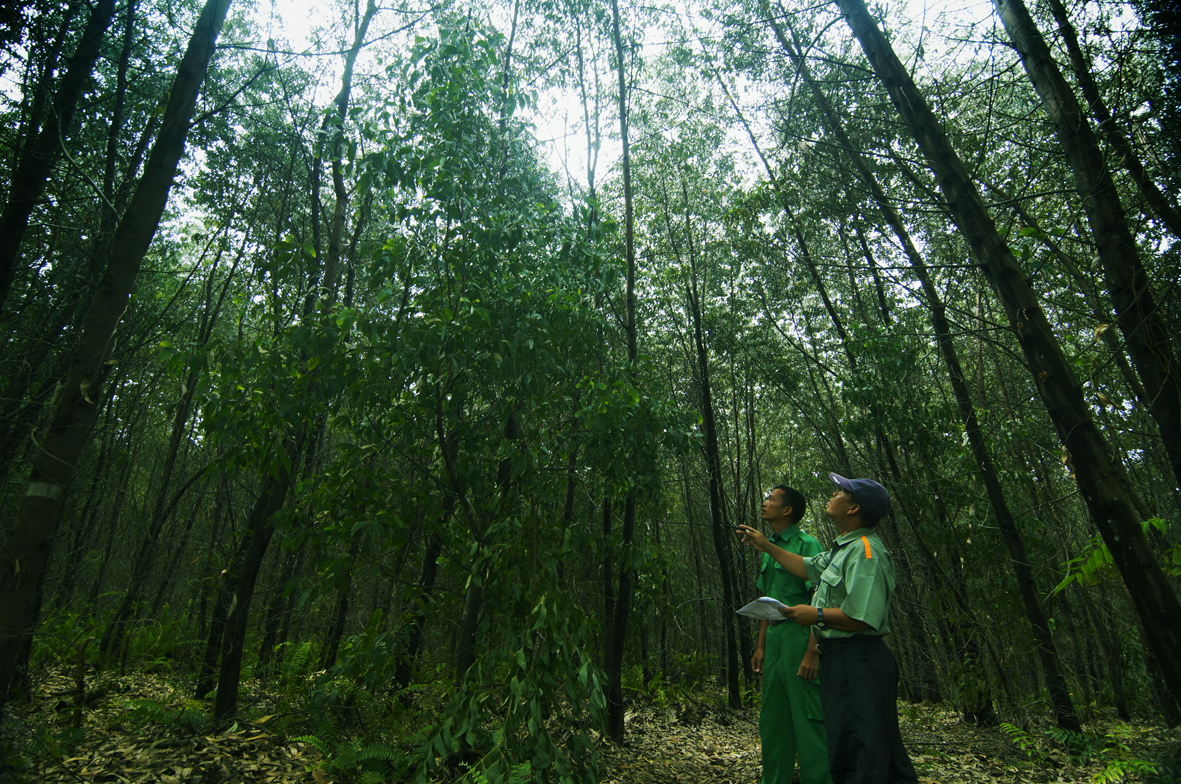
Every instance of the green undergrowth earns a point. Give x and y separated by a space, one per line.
1107 755
516 718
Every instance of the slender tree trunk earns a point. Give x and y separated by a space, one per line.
217 625
170 570
274 615
404 671
340 612
336 145
1149 341
115 129
259 532
33 112
615 645
85 525
721 533
23 563
40 155
1098 477
1156 200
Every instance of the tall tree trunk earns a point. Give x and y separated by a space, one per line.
217 625
1157 202
404 671
115 129
26 556
274 614
1150 343
85 525
259 532
146 555
33 112
1098 476
40 154
336 145
615 645
713 462
1047 653
340 612
170 570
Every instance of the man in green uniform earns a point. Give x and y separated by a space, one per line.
791 720
850 614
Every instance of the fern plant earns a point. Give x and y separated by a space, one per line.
518 774
371 763
1121 769
1082 746
1024 741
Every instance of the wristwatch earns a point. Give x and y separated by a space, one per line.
820 617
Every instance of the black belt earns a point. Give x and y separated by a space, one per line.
827 646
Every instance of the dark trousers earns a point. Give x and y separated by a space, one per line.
859 691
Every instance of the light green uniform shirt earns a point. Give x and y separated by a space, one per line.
857 577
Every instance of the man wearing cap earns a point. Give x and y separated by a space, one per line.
791 720
849 614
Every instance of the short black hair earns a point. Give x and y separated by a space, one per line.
795 499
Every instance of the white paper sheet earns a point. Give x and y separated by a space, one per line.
764 608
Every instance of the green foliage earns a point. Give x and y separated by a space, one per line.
365 667
152 645
1097 565
518 774
1123 770
366 762
681 691
530 698
696 667
1081 745
299 660
1108 749
1024 741
58 640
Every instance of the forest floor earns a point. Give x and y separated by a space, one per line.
141 728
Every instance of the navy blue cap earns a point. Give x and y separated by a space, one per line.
871 496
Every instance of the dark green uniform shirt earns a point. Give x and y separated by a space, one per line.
857 577
777 582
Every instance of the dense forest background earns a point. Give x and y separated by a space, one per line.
396 350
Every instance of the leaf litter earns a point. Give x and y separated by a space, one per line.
666 743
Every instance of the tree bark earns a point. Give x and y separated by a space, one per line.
115 129
340 612
261 529
1149 341
40 155
404 671
1157 202
721 535
23 563
615 645
1047 652
1098 478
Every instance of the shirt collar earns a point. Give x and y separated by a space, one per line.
852 536
786 534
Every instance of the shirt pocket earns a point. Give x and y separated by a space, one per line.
830 582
